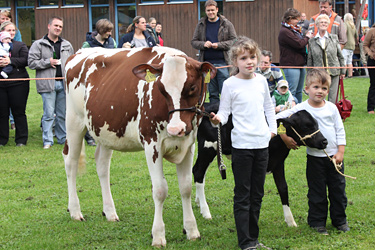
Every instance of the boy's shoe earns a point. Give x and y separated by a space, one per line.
3 74
343 228
322 230
47 146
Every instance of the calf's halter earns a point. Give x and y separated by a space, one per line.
302 139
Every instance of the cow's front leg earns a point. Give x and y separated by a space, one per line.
159 193
103 160
184 174
282 187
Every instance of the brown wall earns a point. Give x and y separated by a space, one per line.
311 8
76 23
178 20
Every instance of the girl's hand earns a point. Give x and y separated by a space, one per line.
214 118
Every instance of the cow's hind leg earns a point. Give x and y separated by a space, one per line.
282 187
184 180
205 157
103 160
71 154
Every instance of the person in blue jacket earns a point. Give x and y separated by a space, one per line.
137 36
101 37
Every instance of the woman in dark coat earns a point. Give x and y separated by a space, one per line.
137 36
14 94
292 46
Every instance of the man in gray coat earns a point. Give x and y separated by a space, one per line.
213 37
48 56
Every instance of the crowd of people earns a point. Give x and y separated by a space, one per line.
326 40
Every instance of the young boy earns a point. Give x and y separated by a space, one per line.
320 171
282 98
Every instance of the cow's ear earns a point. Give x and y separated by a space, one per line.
141 71
208 68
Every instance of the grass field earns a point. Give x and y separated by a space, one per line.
34 198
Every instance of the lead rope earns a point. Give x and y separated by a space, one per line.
338 167
220 162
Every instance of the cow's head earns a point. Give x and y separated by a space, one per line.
304 129
182 80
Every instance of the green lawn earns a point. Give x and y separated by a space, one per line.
33 197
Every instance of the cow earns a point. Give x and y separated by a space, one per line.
301 126
133 100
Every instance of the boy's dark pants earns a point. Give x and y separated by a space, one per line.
249 168
321 173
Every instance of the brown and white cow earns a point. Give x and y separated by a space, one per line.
107 93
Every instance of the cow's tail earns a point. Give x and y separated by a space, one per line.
82 160
82 157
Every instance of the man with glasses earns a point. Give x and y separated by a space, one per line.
336 25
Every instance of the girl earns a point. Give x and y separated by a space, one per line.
245 95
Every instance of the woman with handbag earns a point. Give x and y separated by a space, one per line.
325 51
369 47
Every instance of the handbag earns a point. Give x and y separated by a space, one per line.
344 105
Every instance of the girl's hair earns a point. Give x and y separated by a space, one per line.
291 14
151 19
102 26
131 27
241 45
6 13
4 24
318 75
322 16
348 19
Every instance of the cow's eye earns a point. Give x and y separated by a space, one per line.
192 89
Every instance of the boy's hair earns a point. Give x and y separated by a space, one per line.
267 53
210 3
318 75
102 26
241 45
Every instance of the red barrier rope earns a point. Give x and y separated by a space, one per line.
221 67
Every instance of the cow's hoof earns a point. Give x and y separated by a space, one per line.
292 224
159 242
112 217
205 211
193 236
77 216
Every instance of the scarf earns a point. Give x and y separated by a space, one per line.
295 29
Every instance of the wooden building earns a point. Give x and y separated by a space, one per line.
257 19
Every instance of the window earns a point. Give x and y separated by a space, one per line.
145 2
125 12
25 20
73 2
202 9
99 9
43 3
25 3
5 4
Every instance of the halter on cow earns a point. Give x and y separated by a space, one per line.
106 96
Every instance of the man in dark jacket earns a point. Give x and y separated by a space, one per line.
213 37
